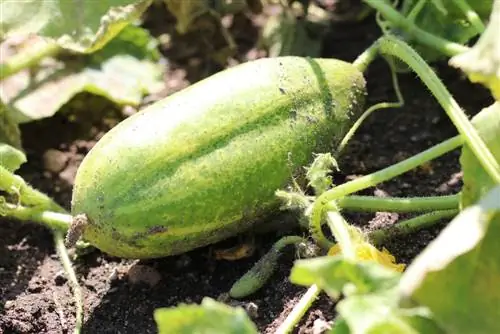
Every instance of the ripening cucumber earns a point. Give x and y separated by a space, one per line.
204 163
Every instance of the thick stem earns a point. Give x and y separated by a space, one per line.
471 15
28 58
55 220
366 58
340 230
412 225
395 204
417 8
392 46
371 180
446 47
28 196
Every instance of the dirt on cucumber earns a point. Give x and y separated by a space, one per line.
121 295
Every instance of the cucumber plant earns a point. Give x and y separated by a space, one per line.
279 109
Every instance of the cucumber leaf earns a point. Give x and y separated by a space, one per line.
80 26
456 275
9 129
380 313
11 158
186 12
482 62
286 35
333 273
371 303
446 20
477 181
123 71
209 317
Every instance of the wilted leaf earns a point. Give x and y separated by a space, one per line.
446 20
123 71
10 157
457 274
476 180
9 130
209 317
482 62
81 26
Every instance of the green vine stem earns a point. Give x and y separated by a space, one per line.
321 204
397 204
417 8
446 47
299 310
28 196
366 58
383 105
62 252
411 225
340 230
57 221
395 47
28 58
471 15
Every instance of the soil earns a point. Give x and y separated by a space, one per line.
121 295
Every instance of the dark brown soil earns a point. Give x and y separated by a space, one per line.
120 296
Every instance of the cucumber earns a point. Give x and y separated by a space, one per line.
203 164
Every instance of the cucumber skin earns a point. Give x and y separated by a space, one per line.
203 164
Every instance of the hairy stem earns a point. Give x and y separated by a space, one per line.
412 225
471 15
28 58
28 196
398 204
392 46
446 47
55 220
340 230
320 205
366 58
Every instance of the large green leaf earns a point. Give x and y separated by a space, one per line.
476 180
9 130
79 25
446 20
457 275
482 62
11 158
286 35
333 273
380 314
123 71
210 317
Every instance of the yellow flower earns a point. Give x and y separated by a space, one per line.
366 251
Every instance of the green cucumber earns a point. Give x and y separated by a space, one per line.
203 164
